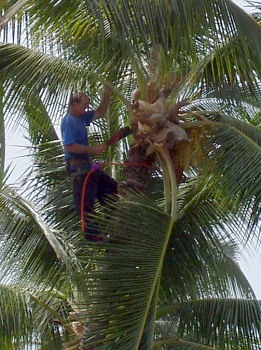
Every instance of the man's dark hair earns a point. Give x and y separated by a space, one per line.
76 97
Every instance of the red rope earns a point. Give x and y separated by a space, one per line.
94 168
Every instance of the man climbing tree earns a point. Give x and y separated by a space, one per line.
78 154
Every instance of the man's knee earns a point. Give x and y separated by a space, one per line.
111 187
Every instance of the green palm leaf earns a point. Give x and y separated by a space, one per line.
216 321
182 270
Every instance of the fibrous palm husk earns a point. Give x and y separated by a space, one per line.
154 124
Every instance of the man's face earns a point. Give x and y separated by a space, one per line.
80 107
83 104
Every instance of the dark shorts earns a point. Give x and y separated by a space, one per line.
99 186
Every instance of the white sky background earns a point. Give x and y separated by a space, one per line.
16 155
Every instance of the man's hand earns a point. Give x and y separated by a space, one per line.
99 148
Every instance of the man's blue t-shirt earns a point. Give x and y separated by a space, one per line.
74 131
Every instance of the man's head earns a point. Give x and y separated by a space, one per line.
78 103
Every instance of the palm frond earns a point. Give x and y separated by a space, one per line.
129 240
14 307
2 138
180 344
37 309
236 164
146 260
11 12
200 245
216 322
28 239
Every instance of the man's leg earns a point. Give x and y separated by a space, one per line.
89 194
86 196
107 186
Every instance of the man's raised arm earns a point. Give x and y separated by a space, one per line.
102 109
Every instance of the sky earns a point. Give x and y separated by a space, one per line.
250 263
242 3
